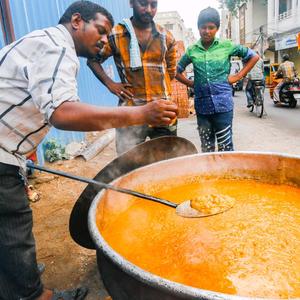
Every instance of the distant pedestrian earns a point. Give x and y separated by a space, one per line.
256 74
212 84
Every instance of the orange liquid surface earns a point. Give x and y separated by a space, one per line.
251 250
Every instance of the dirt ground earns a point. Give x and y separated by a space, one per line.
67 264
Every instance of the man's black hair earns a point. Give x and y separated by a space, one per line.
87 10
209 15
285 57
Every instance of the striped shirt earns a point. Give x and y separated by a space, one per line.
153 80
37 74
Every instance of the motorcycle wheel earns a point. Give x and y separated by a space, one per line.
293 103
233 92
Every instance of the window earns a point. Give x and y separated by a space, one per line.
283 6
169 26
285 9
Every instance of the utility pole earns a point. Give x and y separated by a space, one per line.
261 34
6 22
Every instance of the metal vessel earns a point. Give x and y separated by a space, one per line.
123 279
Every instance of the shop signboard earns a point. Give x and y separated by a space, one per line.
286 42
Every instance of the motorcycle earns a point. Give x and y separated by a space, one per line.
290 93
258 89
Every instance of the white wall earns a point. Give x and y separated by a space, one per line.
235 30
285 22
249 22
224 23
179 30
256 15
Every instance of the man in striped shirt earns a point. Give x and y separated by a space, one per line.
38 90
145 56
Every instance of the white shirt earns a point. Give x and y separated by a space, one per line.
37 74
257 72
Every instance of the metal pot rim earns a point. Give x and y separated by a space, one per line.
152 279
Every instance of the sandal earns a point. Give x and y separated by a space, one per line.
75 294
32 194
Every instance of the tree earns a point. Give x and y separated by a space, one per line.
232 5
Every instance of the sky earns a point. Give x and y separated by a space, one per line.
188 10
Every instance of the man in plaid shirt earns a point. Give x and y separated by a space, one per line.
145 56
288 72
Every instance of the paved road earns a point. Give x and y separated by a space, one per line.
277 131
283 116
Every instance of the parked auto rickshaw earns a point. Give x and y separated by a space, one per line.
270 72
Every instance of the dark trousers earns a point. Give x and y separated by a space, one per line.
250 91
19 276
279 87
215 127
129 137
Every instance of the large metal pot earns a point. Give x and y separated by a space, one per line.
125 280
146 153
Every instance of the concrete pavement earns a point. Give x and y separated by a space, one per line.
277 131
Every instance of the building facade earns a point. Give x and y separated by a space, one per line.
246 27
172 21
284 25
276 20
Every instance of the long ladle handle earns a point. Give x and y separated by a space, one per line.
103 185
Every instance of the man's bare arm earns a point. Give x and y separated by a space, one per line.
181 78
295 71
248 66
117 88
171 59
83 117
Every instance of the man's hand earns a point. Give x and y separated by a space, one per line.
120 90
234 78
190 83
159 112
181 78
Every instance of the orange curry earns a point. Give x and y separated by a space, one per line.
251 250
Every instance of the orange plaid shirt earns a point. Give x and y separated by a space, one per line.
287 70
153 80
